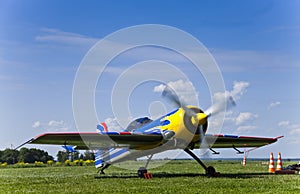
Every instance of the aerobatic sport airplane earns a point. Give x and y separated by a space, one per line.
184 128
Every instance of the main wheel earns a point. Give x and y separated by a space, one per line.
141 172
210 171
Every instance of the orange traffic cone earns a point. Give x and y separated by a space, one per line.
279 162
244 160
271 163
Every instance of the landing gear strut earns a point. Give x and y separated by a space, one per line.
143 170
101 171
210 171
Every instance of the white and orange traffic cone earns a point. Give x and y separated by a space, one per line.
279 162
271 163
244 160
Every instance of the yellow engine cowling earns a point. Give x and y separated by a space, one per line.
185 126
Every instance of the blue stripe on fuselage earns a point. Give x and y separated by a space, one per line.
118 153
100 159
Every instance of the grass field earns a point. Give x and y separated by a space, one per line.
174 177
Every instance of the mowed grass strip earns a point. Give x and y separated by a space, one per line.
174 177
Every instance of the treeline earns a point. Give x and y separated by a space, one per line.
32 155
26 155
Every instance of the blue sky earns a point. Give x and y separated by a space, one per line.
255 43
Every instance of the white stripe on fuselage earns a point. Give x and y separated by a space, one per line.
123 154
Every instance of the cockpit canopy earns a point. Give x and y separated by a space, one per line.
138 123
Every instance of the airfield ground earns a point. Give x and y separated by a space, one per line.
174 177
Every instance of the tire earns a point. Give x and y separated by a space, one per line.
141 172
210 171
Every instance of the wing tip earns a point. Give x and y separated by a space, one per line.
27 142
279 137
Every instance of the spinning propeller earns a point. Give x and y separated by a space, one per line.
198 119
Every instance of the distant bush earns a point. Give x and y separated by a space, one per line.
38 164
50 162
57 163
20 165
4 164
81 162
68 163
88 162
76 162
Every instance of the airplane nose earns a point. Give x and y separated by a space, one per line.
199 119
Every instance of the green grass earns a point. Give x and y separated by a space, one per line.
174 177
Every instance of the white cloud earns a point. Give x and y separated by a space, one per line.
246 128
61 37
184 89
239 88
255 60
244 117
231 119
52 126
295 131
54 123
273 104
283 123
113 124
228 98
292 129
36 124
159 88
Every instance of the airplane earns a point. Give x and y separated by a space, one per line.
184 128
69 149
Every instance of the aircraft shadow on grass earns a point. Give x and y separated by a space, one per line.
169 175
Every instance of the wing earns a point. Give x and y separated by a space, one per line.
233 141
87 141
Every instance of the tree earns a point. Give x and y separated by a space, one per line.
24 155
10 156
88 155
62 156
32 155
1 156
76 155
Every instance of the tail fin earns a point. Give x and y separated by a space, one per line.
102 127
